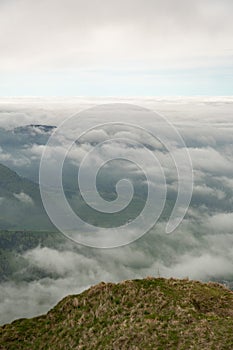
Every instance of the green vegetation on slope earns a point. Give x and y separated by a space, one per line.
13 244
16 214
154 313
11 182
20 203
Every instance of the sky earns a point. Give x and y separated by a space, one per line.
116 48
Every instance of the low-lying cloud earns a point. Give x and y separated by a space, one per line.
201 248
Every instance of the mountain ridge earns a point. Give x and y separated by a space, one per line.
152 313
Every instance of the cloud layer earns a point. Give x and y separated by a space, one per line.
201 248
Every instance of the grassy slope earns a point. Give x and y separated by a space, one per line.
140 314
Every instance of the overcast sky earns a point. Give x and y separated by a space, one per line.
109 47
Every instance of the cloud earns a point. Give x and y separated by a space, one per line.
62 263
192 267
4 156
205 191
201 248
210 160
71 269
220 222
88 35
75 273
23 197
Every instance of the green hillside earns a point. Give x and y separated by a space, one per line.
20 203
18 214
13 244
11 182
141 314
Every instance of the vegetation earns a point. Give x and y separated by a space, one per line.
16 213
13 244
11 182
153 313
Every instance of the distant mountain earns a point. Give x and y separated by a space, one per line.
141 314
11 183
20 203
34 127
21 206
33 134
